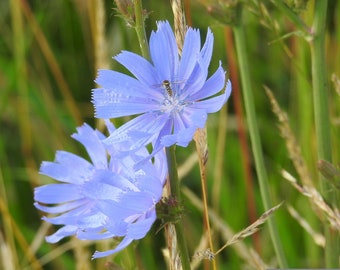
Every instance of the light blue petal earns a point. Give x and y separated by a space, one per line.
156 143
152 168
130 204
189 118
196 80
94 234
185 125
109 125
161 165
199 118
93 145
123 145
151 185
73 216
190 53
114 181
63 168
182 138
112 104
59 208
96 220
117 228
115 211
139 67
96 190
62 220
137 155
182 120
207 49
212 86
123 244
139 131
140 228
169 140
139 202
211 105
57 193
164 51
61 233
121 83
214 104
70 160
167 129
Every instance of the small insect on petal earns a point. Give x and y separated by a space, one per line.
167 87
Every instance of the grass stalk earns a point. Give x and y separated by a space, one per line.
255 137
202 153
140 28
321 116
320 88
176 193
241 131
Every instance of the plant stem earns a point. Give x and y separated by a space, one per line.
320 88
172 170
140 28
321 115
176 193
242 133
255 137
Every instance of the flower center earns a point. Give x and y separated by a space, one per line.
172 105
172 101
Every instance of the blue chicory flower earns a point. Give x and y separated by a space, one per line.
104 198
171 94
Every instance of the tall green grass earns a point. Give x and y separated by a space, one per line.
50 51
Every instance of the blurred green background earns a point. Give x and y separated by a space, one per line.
49 54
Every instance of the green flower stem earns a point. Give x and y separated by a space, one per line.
321 116
176 193
140 28
255 137
173 174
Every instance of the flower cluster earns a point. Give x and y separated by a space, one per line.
111 196
103 199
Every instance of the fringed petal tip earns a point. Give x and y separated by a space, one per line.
60 234
123 244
